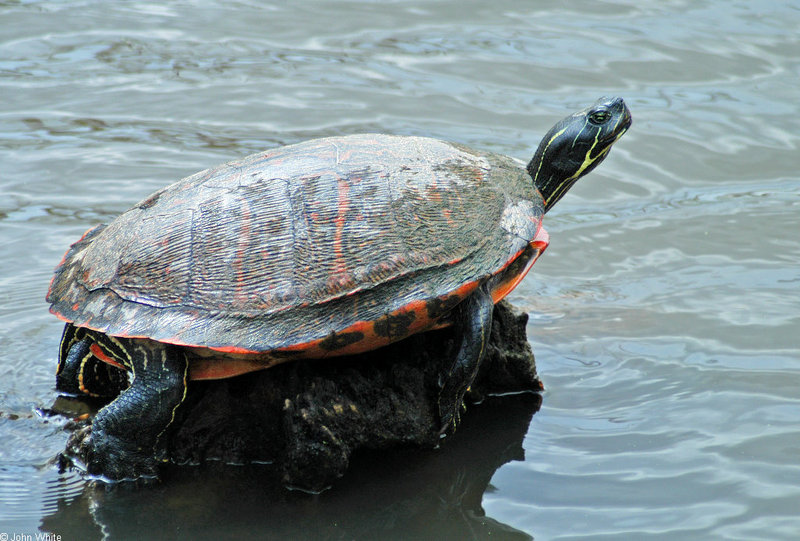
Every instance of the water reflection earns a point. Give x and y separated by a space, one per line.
407 494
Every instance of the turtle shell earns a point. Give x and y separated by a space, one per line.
331 246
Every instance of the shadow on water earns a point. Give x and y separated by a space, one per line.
408 494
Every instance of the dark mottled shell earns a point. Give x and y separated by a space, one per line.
291 245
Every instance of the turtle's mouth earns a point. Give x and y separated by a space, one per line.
622 126
618 124
627 120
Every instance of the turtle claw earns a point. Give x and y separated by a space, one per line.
107 458
449 425
110 459
451 417
449 410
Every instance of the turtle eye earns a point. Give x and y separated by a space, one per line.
600 116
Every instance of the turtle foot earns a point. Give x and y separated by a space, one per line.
450 415
109 458
118 460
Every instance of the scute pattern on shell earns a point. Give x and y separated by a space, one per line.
296 243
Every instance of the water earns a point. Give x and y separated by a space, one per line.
664 315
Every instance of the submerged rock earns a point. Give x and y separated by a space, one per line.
309 417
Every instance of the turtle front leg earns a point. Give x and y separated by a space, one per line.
128 436
473 319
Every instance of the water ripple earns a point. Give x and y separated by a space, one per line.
663 315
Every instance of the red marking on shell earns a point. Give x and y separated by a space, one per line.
341 281
371 339
64 259
448 216
241 254
539 244
343 206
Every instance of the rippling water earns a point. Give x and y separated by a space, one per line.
664 315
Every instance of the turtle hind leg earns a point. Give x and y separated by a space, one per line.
129 436
474 323
81 373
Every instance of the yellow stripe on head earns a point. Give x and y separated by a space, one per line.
547 146
567 183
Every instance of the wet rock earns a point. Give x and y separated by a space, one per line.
309 417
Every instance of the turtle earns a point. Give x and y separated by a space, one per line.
315 250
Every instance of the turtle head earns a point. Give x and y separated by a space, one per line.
575 146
